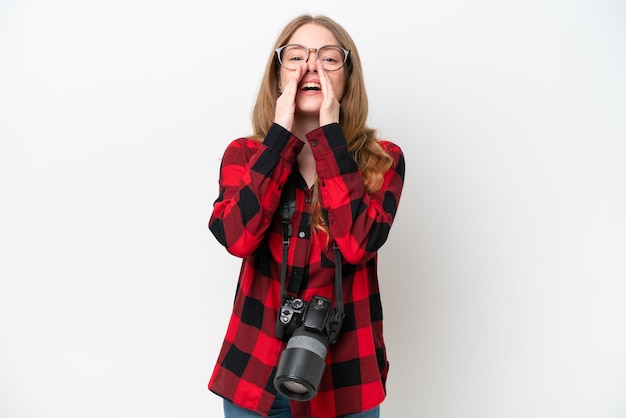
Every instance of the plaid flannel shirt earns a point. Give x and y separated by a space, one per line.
245 220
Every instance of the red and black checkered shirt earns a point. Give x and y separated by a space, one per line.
245 220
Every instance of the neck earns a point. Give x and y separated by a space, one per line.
304 125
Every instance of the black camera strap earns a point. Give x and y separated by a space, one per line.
287 209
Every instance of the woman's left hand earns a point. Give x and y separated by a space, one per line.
329 110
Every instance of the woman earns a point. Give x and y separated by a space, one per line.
309 128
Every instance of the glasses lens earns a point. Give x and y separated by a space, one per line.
292 56
331 57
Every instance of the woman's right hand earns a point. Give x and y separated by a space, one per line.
286 103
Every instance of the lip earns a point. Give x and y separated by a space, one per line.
309 80
313 81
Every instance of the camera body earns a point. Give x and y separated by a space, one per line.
316 315
309 327
289 316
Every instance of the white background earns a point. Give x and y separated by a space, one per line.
504 281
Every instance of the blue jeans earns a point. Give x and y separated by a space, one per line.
280 409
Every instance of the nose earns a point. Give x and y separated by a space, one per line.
311 62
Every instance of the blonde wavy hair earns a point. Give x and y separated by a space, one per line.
362 142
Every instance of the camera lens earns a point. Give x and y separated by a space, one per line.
295 387
301 365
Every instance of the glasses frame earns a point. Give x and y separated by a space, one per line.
346 55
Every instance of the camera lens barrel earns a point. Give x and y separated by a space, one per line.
302 365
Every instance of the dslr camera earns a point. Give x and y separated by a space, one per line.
309 327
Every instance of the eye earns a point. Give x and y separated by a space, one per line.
294 54
331 54
332 57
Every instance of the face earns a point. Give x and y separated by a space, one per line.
309 100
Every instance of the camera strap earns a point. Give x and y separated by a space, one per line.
287 209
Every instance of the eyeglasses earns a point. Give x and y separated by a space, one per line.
332 57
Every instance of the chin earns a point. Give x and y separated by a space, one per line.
308 107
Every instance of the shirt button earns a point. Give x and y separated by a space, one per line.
307 199
314 143
301 234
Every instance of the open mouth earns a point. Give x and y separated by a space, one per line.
310 86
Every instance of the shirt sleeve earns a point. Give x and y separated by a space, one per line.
252 175
358 221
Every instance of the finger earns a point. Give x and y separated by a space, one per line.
325 82
292 85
